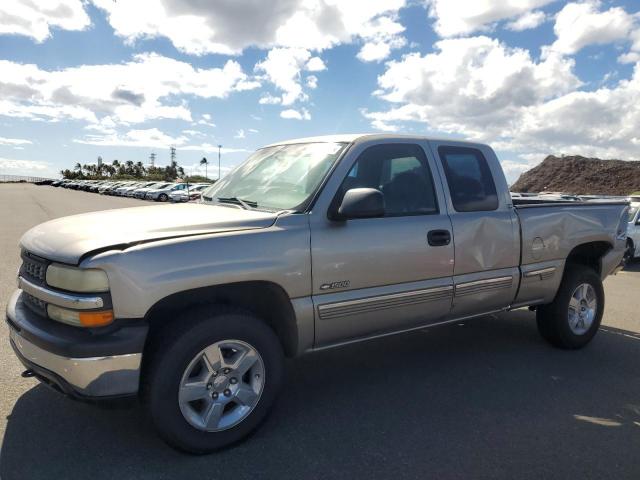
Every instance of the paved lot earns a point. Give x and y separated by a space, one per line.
486 399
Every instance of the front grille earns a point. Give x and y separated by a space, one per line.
35 304
33 268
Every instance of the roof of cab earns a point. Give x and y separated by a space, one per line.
354 137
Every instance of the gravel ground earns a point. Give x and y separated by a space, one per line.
482 399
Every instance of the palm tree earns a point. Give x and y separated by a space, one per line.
139 169
204 162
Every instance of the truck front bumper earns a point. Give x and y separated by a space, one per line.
82 364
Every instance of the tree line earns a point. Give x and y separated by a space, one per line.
117 170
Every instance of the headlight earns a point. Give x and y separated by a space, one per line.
77 279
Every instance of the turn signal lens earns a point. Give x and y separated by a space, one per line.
96 319
79 318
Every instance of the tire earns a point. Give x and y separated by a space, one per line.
163 197
172 355
560 322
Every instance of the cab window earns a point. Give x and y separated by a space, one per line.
401 173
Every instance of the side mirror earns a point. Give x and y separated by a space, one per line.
361 203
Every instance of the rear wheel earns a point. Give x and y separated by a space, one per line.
212 379
573 318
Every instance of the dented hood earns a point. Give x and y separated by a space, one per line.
68 239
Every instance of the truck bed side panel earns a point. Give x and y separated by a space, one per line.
550 233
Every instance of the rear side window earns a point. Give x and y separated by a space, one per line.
469 178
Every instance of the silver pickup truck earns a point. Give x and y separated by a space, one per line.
308 245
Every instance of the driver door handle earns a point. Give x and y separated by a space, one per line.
439 238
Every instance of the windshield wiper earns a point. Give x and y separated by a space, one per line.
246 204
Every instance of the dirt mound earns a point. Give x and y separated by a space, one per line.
581 176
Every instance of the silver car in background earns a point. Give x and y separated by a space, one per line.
131 192
192 192
162 194
141 192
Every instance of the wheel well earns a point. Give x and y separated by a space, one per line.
589 255
267 300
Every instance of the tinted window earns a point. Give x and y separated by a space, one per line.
401 173
469 178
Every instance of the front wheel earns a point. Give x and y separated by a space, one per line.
212 379
163 197
573 318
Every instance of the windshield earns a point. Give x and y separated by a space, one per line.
282 177
632 213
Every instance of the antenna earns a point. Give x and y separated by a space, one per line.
152 159
173 154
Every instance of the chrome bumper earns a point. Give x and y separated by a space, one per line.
89 377
86 376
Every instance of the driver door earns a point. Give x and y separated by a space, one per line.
372 276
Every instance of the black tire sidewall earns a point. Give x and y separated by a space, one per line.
553 319
205 328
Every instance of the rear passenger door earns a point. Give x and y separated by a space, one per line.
376 275
485 229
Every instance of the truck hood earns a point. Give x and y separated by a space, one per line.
68 239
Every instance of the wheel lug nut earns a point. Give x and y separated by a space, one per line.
227 392
233 381
226 370
214 374
209 386
214 395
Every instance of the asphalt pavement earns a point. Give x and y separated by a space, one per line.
481 399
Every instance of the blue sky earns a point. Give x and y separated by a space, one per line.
79 79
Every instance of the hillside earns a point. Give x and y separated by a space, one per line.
580 175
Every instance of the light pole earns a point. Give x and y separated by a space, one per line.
219 147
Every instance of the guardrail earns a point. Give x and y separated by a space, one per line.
22 178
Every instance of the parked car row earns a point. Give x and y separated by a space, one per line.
157 191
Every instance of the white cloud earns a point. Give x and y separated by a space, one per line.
473 86
461 17
312 82
477 88
381 35
240 134
581 24
629 57
315 64
198 27
193 133
282 67
292 114
132 92
269 99
527 21
211 148
36 18
150 137
29 166
14 141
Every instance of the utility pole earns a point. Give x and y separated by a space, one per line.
219 147
152 159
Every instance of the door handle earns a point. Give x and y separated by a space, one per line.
439 238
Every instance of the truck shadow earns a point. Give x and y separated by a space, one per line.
482 399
